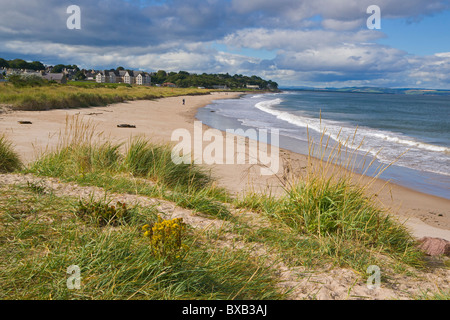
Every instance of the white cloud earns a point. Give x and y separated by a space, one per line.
286 39
322 41
349 10
432 70
341 25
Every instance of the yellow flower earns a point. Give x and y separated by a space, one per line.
166 238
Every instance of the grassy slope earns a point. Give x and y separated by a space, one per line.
76 95
41 237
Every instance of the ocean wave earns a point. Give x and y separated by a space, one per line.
425 165
321 125
367 139
411 143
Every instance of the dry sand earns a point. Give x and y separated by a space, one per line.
426 215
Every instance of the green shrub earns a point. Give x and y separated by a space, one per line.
102 213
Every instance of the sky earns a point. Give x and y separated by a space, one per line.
321 43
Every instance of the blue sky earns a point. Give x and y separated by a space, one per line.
319 43
425 37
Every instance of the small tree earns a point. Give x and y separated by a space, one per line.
4 63
18 64
58 68
36 65
80 75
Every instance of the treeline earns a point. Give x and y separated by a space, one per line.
78 75
181 79
21 64
35 65
60 67
184 79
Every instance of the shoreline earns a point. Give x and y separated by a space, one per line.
428 215
424 213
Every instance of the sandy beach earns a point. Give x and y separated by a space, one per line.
426 215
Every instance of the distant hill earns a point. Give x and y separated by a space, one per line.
409 91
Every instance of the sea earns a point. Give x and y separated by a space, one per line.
407 135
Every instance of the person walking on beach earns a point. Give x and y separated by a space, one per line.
184 102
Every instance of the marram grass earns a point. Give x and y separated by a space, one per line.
338 219
146 159
41 238
79 95
82 156
9 158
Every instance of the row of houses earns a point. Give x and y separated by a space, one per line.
103 76
27 72
57 77
123 76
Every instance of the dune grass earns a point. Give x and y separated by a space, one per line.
82 95
153 161
438 295
335 226
42 236
141 168
9 159
333 217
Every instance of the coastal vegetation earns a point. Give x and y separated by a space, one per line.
134 250
21 64
9 159
185 79
337 219
42 237
37 94
126 250
81 158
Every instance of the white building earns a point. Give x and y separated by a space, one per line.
123 76
142 78
102 77
128 77
112 77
